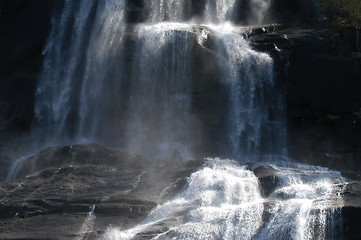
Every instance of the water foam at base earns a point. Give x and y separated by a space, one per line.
223 201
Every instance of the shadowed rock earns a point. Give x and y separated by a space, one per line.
121 187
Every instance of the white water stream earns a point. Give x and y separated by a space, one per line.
132 87
93 89
223 201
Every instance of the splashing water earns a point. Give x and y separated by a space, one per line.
223 201
131 85
87 226
305 205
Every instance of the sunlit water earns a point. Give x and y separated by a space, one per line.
223 200
93 90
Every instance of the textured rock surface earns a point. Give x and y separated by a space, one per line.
85 188
122 188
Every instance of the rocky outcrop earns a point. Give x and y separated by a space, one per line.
82 189
80 181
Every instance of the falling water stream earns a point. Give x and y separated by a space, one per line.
131 85
223 200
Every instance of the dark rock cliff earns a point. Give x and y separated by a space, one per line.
24 29
321 73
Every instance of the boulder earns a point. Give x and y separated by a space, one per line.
97 185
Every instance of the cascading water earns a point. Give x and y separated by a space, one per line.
221 11
305 204
165 10
81 64
132 86
249 77
88 94
96 98
160 101
222 201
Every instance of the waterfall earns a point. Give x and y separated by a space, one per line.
165 10
223 201
305 204
77 69
221 11
253 100
160 104
132 85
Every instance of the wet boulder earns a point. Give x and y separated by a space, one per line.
84 188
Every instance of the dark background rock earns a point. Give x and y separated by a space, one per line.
323 101
351 223
24 29
287 11
320 73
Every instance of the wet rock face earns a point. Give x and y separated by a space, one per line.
119 188
323 100
319 70
93 154
268 179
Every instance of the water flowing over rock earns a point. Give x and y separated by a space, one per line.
166 82
129 197
91 92
62 107
221 201
305 204
251 128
